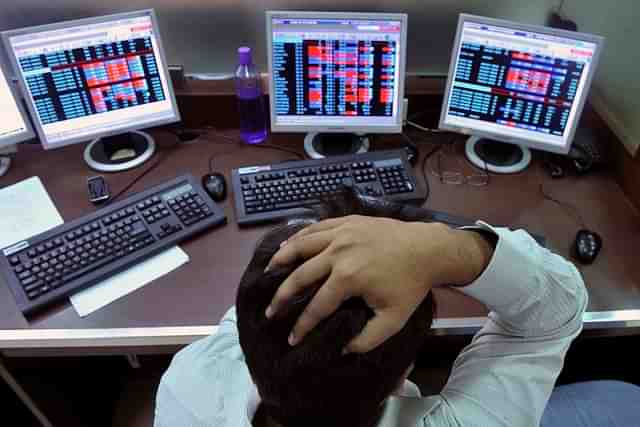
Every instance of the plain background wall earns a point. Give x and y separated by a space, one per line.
617 87
203 35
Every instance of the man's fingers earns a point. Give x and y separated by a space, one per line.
325 225
324 303
308 274
380 328
302 248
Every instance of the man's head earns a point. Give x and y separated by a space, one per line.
313 383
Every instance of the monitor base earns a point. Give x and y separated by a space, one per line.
495 156
5 164
321 145
120 152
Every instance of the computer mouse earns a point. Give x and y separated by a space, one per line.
587 246
215 185
412 154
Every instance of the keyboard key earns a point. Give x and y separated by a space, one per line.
27 281
32 286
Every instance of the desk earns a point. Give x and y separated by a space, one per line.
186 304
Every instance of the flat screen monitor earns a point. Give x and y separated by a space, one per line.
94 77
14 124
517 83
336 72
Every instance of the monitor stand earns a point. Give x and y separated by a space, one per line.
5 160
321 145
120 152
496 156
5 164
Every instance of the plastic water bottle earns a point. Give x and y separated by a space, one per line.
253 123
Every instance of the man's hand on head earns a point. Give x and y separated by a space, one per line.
391 264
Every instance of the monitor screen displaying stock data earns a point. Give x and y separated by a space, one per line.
12 123
518 83
329 71
93 78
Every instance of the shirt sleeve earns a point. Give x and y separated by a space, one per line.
506 375
207 383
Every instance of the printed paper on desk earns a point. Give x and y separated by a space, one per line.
26 210
91 299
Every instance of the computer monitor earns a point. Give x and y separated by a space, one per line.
14 123
513 86
99 79
337 76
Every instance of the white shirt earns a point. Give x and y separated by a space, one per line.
503 378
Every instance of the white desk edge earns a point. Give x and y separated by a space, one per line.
183 335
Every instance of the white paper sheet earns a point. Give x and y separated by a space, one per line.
91 299
26 210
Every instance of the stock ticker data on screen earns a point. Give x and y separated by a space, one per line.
334 77
80 82
518 87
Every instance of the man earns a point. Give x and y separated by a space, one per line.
385 268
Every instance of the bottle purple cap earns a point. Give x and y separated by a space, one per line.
244 55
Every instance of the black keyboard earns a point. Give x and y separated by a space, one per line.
49 267
272 192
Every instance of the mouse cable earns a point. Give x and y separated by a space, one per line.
162 157
570 209
423 128
423 164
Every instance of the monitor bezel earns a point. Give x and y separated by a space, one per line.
6 35
396 127
473 131
28 133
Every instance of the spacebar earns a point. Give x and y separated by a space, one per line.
298 204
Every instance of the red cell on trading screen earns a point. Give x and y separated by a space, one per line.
350 98
386 77
315 96
140 84
385 96
364 95
314 50
363 76
350 113
518 55
387 49
98 100
350 74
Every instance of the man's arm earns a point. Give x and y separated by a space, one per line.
196 388
506 375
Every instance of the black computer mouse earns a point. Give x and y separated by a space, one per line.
215 185
587 246
412 154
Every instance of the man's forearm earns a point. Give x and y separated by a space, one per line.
464 257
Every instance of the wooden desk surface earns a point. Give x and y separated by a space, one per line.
200 292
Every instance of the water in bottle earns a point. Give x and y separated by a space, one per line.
253 123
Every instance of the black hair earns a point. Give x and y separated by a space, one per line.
312 384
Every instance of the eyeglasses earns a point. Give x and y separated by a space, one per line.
452 177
